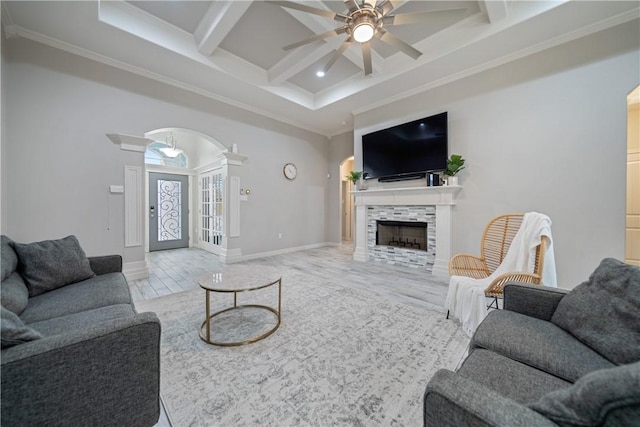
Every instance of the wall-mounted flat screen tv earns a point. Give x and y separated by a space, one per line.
406 151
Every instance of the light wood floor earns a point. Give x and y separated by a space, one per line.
178 270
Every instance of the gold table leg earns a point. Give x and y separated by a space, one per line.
206 324
206 317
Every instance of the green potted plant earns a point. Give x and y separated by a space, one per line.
455 164
355 177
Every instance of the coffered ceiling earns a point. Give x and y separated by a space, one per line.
232 51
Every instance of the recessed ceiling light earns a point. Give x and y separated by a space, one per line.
320 73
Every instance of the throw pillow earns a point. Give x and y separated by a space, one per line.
14 294
13 331
9 257
604 311
603 397
51 264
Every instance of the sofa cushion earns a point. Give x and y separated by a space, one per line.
14 293
603 397
98 291
604 311
51 264
537 343
511 379
9 257
13 331
79 321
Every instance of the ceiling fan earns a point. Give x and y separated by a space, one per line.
364 20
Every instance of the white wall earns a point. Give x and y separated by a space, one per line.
60 163
546 133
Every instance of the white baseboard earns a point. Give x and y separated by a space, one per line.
135 270
360 254
229 256
440 268
285 251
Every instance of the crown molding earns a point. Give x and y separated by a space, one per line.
17 31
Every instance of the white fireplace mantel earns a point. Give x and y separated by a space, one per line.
442 197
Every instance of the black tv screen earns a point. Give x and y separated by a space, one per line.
406 151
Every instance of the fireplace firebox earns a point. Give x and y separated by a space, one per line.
403 234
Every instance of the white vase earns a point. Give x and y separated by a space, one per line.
452 180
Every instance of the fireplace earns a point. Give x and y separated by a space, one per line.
402 234
431 205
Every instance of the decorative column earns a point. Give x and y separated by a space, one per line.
360 252
134 263
232 168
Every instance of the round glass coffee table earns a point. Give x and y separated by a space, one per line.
238 279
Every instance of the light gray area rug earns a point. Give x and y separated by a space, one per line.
340 357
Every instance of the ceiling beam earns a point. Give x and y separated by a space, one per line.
219 20
496 10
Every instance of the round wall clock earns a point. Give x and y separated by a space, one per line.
290 171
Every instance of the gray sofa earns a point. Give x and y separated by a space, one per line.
551 357
74 350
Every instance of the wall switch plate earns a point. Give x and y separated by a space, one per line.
116 188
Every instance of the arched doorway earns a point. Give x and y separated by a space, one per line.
183 203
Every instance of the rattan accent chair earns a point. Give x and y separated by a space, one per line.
496 240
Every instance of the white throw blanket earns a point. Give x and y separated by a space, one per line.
465 298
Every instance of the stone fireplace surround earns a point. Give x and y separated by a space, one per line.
398 255
433 204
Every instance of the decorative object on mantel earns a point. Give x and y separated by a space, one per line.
455 164
433 179
356 178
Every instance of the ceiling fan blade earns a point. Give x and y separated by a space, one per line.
386 6
366 58
315 38
337 54
394 41
421 17
309 9
351 5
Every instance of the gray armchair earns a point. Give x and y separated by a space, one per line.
551 357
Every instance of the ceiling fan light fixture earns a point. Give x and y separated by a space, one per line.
363 28
363 33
